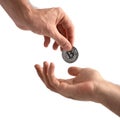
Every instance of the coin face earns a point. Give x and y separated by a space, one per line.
70 56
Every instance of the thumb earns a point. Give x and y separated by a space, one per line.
74 71
61 40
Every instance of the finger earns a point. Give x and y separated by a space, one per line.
47 41
53 80
55 46
39 71
45 73
74 71
46 77
61 40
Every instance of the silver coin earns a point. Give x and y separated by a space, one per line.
70 56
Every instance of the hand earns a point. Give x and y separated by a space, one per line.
80 87
51 22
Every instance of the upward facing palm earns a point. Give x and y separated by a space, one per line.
80 87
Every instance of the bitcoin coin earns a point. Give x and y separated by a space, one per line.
70 56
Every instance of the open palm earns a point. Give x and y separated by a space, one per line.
80 87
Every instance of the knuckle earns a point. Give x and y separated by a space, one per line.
59 9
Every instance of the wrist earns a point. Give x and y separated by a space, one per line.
104 91
108 94
100 91
19 10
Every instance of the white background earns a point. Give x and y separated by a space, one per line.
23 96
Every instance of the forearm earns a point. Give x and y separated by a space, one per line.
108 94
18 10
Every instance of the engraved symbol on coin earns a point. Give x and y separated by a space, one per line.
70 56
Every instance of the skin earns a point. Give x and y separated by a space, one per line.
49 22
86 84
